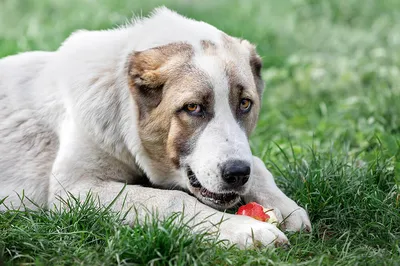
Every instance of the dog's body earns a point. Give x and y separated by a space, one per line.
167 99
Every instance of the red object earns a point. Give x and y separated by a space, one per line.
253 210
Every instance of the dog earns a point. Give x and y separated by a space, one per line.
160 109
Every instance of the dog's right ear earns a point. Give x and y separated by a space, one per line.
149 70
145 77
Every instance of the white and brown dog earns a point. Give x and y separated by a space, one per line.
166 99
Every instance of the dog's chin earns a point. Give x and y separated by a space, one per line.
219 201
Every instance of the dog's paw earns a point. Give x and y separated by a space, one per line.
291 217
296 220
247 232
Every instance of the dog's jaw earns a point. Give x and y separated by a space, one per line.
218 200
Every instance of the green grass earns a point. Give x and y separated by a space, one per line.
329 130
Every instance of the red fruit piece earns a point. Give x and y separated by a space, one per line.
254 210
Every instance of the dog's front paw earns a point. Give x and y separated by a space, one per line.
291 216
247 232
296 219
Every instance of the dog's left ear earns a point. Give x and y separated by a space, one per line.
149 70
256 65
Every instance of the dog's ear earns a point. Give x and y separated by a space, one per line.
256 65
145 68
145 77
149 70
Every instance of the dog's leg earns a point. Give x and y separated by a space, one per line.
137 202
81 167
265 192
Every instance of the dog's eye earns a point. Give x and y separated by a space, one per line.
194 109
245 105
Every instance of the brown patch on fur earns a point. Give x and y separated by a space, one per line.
183 128
208 47
162 80
182 136
150 69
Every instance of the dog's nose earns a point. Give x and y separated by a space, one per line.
236 173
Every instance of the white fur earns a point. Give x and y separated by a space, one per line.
69 123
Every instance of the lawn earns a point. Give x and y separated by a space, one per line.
329 130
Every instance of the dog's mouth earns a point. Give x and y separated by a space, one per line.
217 200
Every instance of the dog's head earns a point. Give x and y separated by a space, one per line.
197 105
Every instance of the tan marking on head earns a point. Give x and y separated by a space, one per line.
181 137
149 70
208 47
162 80
146 67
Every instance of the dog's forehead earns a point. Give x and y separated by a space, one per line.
226 61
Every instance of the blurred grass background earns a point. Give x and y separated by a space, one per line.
329 129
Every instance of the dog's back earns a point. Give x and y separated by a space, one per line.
27 144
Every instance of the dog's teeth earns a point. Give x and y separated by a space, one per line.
218 198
